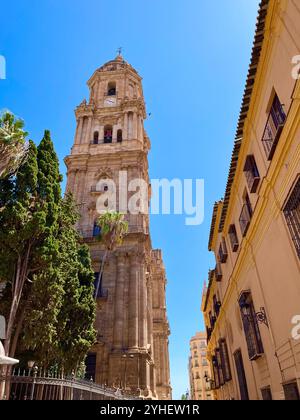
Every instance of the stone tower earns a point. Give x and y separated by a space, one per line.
132 343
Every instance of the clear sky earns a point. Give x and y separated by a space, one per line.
193 56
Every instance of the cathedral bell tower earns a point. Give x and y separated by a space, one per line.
110 139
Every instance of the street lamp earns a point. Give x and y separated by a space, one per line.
260 317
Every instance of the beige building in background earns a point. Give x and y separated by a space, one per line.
199 369
253 294
131 352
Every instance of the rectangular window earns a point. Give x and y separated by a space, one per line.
291 392
292 216
212 319
225 360
246 215
216 372
219 273
252 174
223 252
219 362
233 238
251 328
274 127
266 394
217 305
241 375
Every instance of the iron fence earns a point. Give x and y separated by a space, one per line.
32 385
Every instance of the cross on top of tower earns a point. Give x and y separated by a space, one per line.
119 51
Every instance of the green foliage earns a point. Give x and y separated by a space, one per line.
13 146
113 229
20 218
48 297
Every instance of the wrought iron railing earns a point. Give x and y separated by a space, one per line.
88 233
252 174
31 385
245 219
274 127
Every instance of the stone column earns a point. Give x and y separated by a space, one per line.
101 134
133 303
79 131
153 379
140 128
119 302
143 307
98 92
149 313
135 125
114 134
82 191
88 136
125 130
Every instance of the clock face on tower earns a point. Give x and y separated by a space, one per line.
110 101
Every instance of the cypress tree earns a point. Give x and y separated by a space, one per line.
21 228
48 299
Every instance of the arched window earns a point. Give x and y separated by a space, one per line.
120 136
112 89
96 137
108 134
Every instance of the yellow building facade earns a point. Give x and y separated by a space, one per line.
199 369
252 303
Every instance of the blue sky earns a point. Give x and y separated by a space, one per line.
193 56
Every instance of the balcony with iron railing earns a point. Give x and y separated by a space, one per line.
251 174
217 307
218 272
274 127
233 238
208 334
89 233
223 252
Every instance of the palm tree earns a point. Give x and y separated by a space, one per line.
13 144
113 229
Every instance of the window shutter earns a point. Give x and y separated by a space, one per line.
225 360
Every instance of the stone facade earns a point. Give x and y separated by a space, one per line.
132 343
252 303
